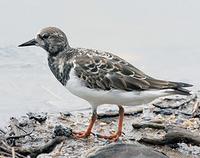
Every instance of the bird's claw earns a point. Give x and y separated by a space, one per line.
111 138
82 134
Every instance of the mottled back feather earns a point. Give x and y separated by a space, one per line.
106 71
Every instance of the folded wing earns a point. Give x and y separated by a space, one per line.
107 71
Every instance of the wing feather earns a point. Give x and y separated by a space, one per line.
109 72
102 70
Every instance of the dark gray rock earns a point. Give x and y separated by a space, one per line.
62 131
66 114
39 117
126 151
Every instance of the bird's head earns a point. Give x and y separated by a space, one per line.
52 39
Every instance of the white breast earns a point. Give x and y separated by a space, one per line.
119 97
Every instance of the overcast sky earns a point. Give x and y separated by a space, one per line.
105 24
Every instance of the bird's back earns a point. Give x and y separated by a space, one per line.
103 70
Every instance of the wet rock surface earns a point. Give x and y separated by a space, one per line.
176 134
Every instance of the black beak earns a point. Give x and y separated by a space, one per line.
29 43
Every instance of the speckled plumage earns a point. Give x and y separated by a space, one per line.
104 71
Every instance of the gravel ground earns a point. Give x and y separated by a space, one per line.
178 117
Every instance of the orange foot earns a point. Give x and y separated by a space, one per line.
113 137
86 133
82 134
116 136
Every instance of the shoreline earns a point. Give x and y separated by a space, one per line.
162 115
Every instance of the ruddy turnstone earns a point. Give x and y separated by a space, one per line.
100 77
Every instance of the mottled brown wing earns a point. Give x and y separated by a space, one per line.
99 71
103 70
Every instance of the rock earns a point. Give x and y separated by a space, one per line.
66 114
126 151
62 131
39 117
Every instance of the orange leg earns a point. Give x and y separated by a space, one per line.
89 129
116 136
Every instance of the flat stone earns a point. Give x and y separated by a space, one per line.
126 151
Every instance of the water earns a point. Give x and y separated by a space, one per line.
26 83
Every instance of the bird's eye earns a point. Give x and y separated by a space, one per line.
45 36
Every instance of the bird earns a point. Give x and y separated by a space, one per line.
100 77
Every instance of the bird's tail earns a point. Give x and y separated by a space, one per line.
179 87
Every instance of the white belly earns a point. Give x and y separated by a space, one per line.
118 97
